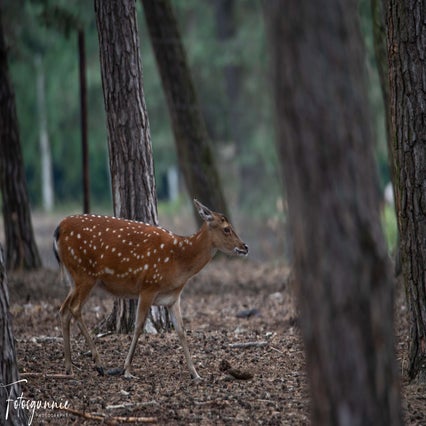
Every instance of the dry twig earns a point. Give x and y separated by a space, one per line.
48 376
249 344
110 419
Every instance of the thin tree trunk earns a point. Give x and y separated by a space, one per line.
406 35
341 265
46 157
21 249
10 388
196 157
83 115
226 30
129 138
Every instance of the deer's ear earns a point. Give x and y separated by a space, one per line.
205 213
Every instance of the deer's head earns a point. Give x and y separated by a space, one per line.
223 236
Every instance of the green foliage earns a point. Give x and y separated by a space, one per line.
390 227
375 94
249 169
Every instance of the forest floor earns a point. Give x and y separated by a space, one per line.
230 303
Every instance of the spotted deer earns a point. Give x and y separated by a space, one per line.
134 259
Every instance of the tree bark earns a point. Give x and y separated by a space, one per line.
10 387
21 249
195 155
341 264
129 138
406 35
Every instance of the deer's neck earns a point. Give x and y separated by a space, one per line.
196 251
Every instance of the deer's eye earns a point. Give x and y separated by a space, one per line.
227 230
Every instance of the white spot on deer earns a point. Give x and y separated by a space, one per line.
109 271
113 249
175 241
161 246
78 236
146 267
166 260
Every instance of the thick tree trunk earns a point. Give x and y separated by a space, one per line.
406 34
129 139
21 249
325 145
195 154
10 388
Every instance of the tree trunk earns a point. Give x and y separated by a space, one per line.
226 29
83 121
341 264
406 34
21 249
129 139
46 157
196 158
9 376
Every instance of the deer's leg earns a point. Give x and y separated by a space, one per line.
72 307
142 312
65 321
178 323
95 354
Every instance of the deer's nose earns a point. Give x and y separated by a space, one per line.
241 250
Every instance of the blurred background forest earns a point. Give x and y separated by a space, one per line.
43 61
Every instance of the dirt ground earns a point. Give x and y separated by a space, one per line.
228 304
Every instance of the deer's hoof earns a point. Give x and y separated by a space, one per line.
118 371
100 370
